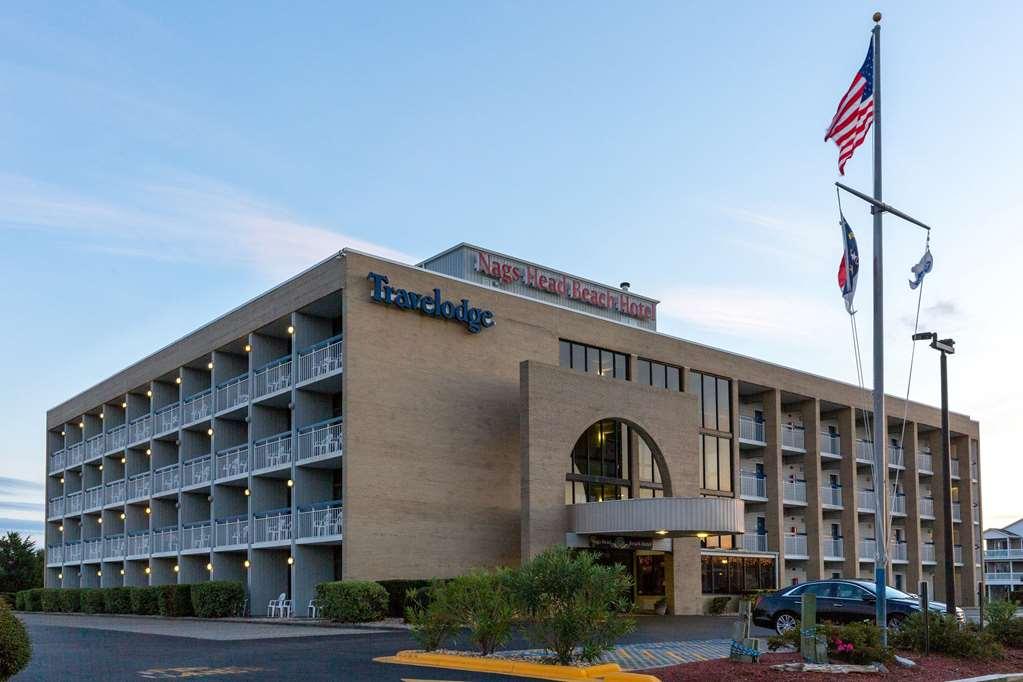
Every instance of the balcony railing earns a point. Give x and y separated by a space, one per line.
793 437
166 539
72 552
867 549
832 548
954 468
138 486
1003 554
795 491
56 507
795 545
927 553
92 550
94 446
113 493
899 505
831 496
233 393
197 470
140 428
273 526
55 554
957 511
197 407
233 461
321 440
272 452
73 503
864 451
957 554
57 460
94 497
752 485
866 501
75 454
900 551
896 456
320 359
166 478
927 507
925 463
113 546
753 542
320 520
232 531
272 377
831 444
751 430
138 543
1003 578
117 438
197 535
167 418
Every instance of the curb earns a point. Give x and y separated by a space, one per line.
232 619
608 672
997 677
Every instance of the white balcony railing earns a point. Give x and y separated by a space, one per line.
320 359
954 468
832 548
197 535
197 407
113 493
896 456
957 554
273 526
320 520
166 478
795 491
1003 578
117 438
270 452
795 545
272 377
900 551
167 418
138 543
925 463
321 440
957 511
1003 554
55 507
166 539
140 428
927 507
751 430
113 546
831 444
94 446
831 496
197 470
927 553
138 486
752 485
899 505
72 552
793 437
754 542
864 451
55 554
75 454
57 461
866 501
867 549
233 461
92 550
231 531
73 503
233 393
94 497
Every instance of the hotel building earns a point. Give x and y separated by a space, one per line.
373 420
1003 561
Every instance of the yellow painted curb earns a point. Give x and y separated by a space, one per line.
608 672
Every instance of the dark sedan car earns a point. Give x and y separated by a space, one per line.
838 601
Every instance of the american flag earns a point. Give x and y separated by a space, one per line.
855 112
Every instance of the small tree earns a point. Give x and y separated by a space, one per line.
483 603
574 606
432 615
20 563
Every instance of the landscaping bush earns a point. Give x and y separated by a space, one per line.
352 601
19 600
15 647
145 601
947 636
34 599
218 598
174 600
7 599
397 591
857 643
91 600
572 602
116 599
431 614
482 602
1003 624
70 600
718 605
50 599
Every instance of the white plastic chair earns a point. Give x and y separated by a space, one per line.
313 610
275 605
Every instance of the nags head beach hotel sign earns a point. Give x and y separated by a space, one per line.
433 305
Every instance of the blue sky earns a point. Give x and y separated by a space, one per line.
163 162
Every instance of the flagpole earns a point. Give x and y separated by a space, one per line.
880 420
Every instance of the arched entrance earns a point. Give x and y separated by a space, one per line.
615 459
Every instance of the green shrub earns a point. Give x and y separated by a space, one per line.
91 600
998 613
718 605
19 600
145 601
175 600
431 614
482 602
218 598
571 602
947 636
789 638
352 601
7 599
116 599
1003 624
50 599
15 647
34 599
70 600
397 591
857 643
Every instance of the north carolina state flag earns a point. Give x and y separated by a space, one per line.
849 268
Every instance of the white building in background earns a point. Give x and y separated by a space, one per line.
1003 560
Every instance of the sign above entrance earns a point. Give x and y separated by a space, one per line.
474 319
620 542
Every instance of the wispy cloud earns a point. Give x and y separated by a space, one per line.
18 486
21 525
182 219
6 505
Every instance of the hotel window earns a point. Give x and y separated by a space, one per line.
649 473
583 358
658 374
716 456
600 464
715 400
737 575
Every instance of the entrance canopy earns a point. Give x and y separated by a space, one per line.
659 517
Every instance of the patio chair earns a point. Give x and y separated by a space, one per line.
313 610
275 605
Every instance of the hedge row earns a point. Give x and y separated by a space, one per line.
216 599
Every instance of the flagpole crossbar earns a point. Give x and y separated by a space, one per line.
880 206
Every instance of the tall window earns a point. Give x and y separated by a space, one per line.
600 464
737 574
714 395
658 374
649 473
583 358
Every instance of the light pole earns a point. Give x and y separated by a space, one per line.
946 347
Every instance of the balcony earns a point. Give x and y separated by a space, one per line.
831 496
927 507
57 461
896 457
272 377
166 478
93 497
271 452
140 429
324 439
957 554
117 438
752 431
94 447
166 539
321 520
1015 553
831 445
196 536
54 555
795 546
832 548
320 359
197 407
1003 578
864 451
957 512
752 486
114 493
72 552
138 543
167 418
75 454
197 471
92 550
55 508
273 526
899 505
927 553
113 547
73 504
138 486
925 463
900 552
753 542
233 393
866 501
793 438
232 530
954 468
867 550
795 492
233 461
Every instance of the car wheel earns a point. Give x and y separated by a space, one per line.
784 622
895 621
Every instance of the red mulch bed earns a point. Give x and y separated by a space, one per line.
931 668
